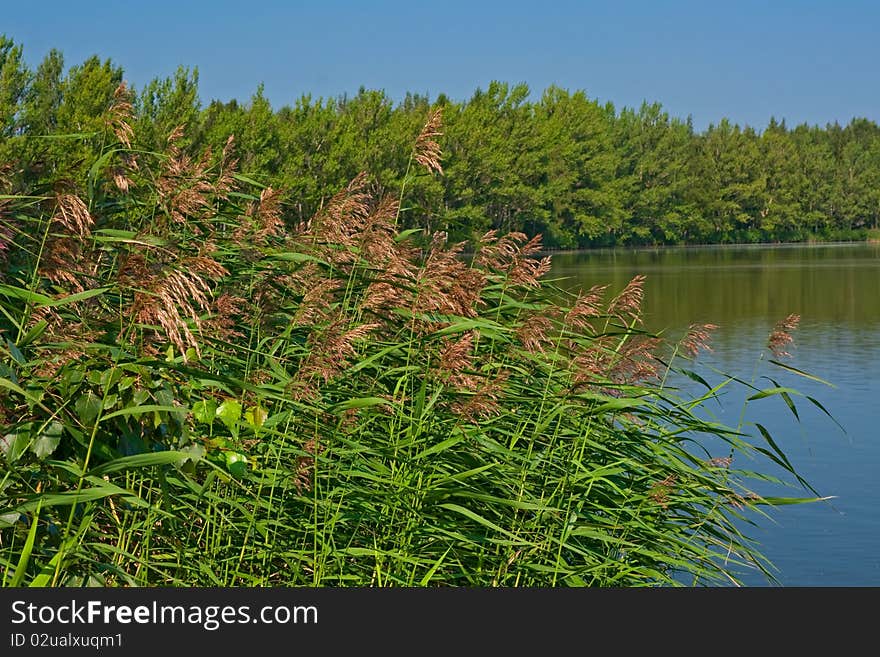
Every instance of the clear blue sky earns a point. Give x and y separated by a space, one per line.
806 61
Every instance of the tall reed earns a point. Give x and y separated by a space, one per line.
197 391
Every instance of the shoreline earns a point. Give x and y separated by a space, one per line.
707 245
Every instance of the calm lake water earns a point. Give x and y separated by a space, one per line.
745 290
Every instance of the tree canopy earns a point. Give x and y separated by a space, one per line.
579 172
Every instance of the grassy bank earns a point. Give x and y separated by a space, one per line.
195 392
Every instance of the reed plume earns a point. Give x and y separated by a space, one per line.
512 256
781 336
73 215
586 307
185 185
331 349
120 115
445 284
455 362
172 295
118 120
697 339
427 151
627 305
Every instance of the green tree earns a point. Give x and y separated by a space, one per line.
164 105
487 142
784 176
583 198
43 96
655 174
13 82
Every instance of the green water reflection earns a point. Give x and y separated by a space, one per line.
745 290
729 285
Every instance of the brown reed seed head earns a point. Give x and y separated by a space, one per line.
316 300
739 501
335 225
330 351
636 360
120 114
376 239
49 367
6 170
188 187
719 462
455 363
5 241
628 304
482 403
781 335
513 255
173 295
120 173
526 269
225 182
455 355
427 151
586 307
122 181
62 262
5 231
63 329
267 214
697 339
534 333
444 283
589 366
226 311
661 490
71 212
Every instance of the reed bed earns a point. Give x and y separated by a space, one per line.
196 391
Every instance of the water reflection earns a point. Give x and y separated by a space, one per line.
726 285
745 290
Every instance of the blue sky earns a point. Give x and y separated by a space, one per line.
806 62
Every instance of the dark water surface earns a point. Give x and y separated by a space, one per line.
746 290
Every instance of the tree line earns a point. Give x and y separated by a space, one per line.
579 172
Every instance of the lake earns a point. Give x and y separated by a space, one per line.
745 290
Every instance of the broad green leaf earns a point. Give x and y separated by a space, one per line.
48 441
193 453
100 490
439 447
250 181
806 375
87 407
360 402
15 352
255 416
205 411
768 392
25 295
236 463
9 385
467 513
428 575
101 163
9 519
13 445
406 234
229 413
